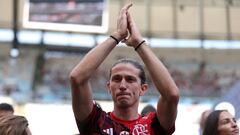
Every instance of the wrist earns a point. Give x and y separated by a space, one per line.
136 41
139 45
117 36
115 39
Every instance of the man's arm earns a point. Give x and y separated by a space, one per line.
167 104
82 100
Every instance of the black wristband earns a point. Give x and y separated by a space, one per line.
114 39
139 45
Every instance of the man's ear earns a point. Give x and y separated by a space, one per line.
144 88
108 87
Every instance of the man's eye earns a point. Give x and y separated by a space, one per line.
117 78
131 79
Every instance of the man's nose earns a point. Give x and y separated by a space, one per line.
123 84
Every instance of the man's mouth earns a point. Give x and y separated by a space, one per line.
123 94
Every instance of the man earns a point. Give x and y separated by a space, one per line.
126 85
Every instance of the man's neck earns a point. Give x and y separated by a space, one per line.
129 113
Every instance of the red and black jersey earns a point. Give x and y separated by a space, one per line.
101 123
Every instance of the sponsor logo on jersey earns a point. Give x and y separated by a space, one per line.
109 131
140 129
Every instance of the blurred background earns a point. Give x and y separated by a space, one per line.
42 40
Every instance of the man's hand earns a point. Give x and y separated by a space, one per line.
122 23
134 37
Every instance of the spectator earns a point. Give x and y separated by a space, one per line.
6 109
203 120
220 122
147 109
14 125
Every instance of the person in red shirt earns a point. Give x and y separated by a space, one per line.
127 83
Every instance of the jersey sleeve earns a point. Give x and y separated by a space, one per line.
157 127
89 125
99 123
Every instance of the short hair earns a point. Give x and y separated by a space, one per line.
6 107
136 64
13 125
211 125
147 109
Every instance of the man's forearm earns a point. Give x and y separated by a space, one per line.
158 72
93 59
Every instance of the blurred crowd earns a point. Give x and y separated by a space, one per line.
49 80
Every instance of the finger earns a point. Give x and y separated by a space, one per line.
129 18
129 21
129 5
126 8
124 11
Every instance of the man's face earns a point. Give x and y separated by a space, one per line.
125 85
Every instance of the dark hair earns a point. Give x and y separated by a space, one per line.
6 107
148 108
211 124
135 64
